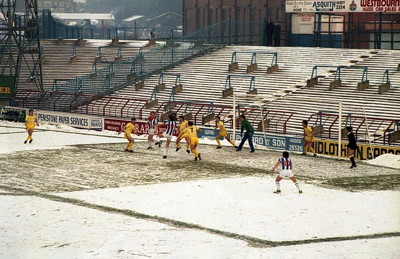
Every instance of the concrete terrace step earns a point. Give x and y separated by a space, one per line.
203 80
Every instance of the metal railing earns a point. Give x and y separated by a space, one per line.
377 131
112 106
252 79
117 75
254 55
386 76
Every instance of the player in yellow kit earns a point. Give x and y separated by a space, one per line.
194 140
183 124
30 121
308 137
129 128
223 133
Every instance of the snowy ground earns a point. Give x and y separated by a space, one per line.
91 200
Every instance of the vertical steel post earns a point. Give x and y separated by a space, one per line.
340 131
380 31
230 31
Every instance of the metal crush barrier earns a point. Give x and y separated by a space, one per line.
117 75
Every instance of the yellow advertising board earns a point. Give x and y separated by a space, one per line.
330 148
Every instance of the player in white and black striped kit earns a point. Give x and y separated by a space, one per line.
286 171
152 122
171 127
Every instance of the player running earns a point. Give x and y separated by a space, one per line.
30 121
171 126
183 124
285 172
309 137
352 146
194 140
129 128
152 122
223 133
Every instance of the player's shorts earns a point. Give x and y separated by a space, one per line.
127 135
183 136
285 173
352 147
152 131
167 136
309 141
194 141
223 134
30 127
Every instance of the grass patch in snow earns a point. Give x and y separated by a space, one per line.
99 166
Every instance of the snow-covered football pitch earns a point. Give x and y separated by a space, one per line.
76 194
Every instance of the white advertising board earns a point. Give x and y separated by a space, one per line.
70 119
385 6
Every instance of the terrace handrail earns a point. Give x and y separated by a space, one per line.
363 68
316 67
254 54
386 78
163 75
228 83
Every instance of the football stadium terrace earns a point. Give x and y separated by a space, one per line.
198 80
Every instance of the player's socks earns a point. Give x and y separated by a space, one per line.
187 146
130 146
353 162
194 152
218 142
127 147
312 150
278 185
233 143
297 185
178 145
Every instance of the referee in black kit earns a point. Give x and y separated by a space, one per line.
352 146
